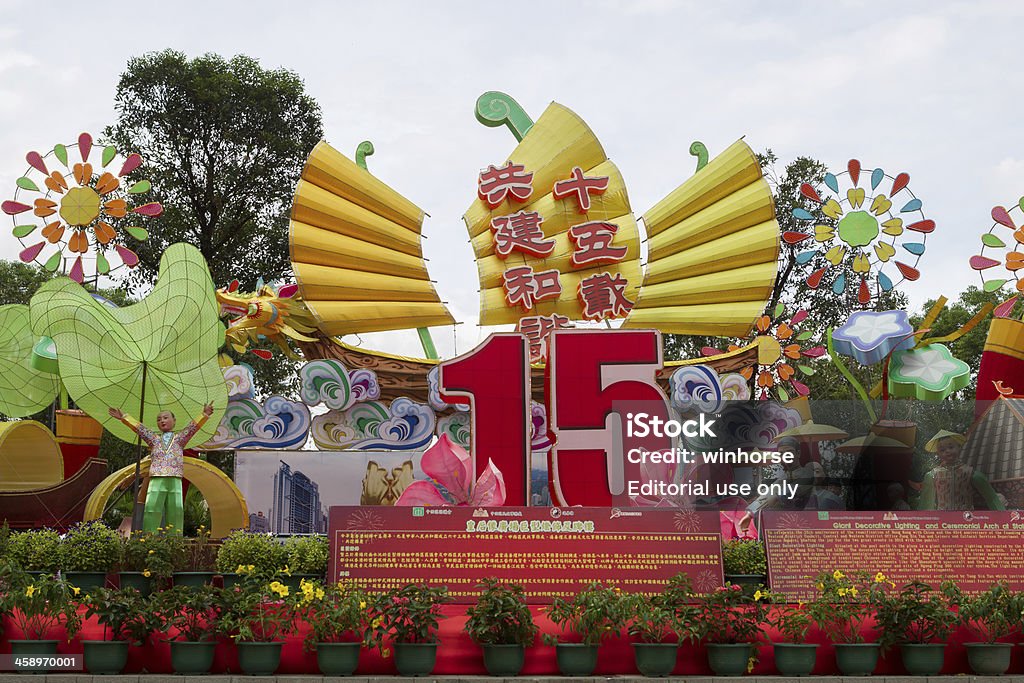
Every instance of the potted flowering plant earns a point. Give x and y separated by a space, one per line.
36 551
793 655
597 612
918 619
87 552
844 604
989 617
745 564
731 623
194 565
126 618
245 552
338 618
258 617
501 623
306 558
410 615
191 616
147 557
658 632
38 604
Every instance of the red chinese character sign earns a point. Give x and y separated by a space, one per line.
552 229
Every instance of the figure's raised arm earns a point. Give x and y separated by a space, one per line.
132 424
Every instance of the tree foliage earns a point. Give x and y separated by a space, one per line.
224 142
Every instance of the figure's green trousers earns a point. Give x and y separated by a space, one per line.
164 499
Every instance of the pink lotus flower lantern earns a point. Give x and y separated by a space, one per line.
450 466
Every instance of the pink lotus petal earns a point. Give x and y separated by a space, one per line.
29 254
798 317
130 164
448 464
85 145
77 273
801 388
288 291
262 353
421 493
489 490
1004 309
130 258
1002 216
814 352
152 209
12 208
729 521
35 160
710 351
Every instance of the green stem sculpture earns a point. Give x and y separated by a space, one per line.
495 109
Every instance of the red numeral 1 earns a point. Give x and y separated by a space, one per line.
494 379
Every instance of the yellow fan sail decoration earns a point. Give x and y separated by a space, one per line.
713 250
355 249
551 149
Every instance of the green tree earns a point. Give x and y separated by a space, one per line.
224 142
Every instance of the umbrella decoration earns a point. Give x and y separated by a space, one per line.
874 224
78 205
779 355
1001 259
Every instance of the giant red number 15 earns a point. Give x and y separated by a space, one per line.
593 378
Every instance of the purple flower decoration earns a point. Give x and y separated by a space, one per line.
870 336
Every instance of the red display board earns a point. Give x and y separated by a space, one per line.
974 548
550 551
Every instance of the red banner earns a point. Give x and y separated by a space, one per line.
974 548
549 551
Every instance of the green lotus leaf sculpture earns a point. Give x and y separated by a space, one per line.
24 389
158 354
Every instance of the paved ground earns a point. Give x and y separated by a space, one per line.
164 678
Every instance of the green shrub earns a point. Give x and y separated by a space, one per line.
156 553
35 551
308 554
743 557
90 547
243 548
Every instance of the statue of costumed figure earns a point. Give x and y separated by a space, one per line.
951 485
164 498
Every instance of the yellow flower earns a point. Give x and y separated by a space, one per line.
320 595
757 595
286 571
362 604
30 591
385 653
750 664
151 552
837 575
377 622
76 590
147 573
892 584
241 569
879 577
842 592
854 591
821 586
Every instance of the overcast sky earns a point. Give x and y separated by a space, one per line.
931 88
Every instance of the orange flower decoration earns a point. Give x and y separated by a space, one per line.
81 201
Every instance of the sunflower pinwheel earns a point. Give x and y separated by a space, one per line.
778 352
79 209
1002 249
862 228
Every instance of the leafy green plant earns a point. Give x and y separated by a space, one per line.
35 551
335 614
917 614
793 621
90 547
409 614
501 615
678 597
845 602
653 621
728 615
198 553
153 554
744 557
193 613
592 614
991 615
5 537
308 554
123 613
256 610
43 603
245 548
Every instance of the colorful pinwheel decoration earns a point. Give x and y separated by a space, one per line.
79 208
1001 249
864 230
778 355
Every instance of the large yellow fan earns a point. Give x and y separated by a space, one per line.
355 249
